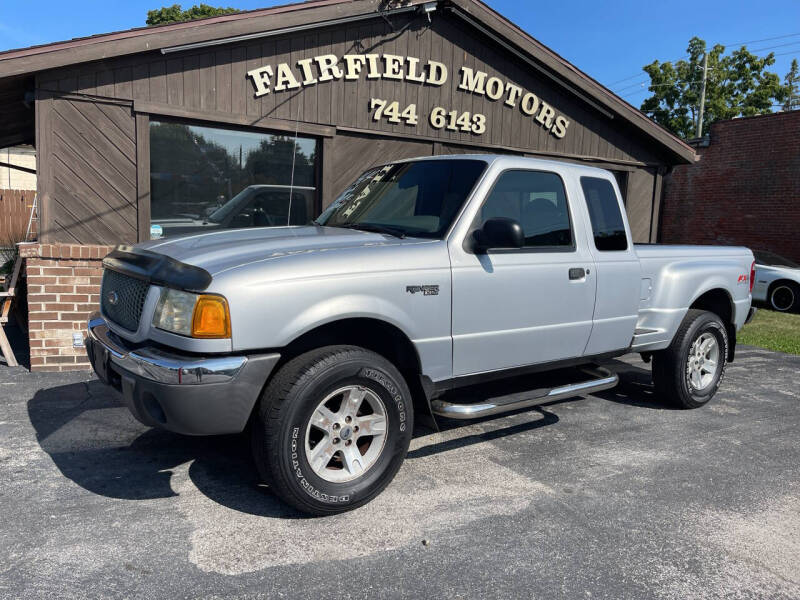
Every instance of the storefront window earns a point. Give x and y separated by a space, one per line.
209 178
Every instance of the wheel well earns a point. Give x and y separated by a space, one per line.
719 302
373 334
789 282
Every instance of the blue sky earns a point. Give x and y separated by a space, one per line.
609 40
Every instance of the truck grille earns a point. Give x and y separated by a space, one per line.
122 298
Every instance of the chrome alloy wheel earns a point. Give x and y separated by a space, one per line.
701 367
346 434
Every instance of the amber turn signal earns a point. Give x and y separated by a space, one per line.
211 318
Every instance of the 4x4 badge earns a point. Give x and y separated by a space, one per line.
427 290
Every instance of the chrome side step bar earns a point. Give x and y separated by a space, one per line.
602 379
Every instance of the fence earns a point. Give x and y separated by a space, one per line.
15 211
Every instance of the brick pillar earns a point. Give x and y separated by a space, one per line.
63 282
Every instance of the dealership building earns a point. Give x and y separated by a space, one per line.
263 117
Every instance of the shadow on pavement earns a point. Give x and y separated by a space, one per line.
96 443
635 387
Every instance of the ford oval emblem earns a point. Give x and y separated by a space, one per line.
113 298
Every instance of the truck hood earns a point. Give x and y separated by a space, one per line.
226 249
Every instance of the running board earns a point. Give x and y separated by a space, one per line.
602 379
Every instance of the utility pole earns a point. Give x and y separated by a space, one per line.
702 96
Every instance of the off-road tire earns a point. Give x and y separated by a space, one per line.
283 414
670 377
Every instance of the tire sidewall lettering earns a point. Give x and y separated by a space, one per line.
386 383
722 338
304 483
296 440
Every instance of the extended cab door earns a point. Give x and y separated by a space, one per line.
618 272
515 307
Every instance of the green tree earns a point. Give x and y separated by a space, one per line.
738 84
792 86
175 14
271 162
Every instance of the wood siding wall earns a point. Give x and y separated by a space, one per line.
214 80
639 203
211 84
91 174
371 152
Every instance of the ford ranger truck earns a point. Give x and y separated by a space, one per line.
424 276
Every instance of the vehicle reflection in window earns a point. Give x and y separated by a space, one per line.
207 178
255 206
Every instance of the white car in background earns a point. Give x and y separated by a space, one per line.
777 282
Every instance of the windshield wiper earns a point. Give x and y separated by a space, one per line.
374 227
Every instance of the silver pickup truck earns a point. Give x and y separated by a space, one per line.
423 277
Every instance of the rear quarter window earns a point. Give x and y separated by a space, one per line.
608 225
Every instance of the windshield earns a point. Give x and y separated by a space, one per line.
224 211
768 258
418 199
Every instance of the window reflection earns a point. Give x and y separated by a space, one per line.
207 178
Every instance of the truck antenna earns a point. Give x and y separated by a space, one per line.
294 154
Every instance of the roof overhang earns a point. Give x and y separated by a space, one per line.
321 13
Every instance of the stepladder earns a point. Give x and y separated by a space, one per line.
6 300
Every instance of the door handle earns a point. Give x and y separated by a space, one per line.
577 273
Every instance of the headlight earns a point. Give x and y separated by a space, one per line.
193 315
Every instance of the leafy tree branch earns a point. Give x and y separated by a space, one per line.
738 84
175 14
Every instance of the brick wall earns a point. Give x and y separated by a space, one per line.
63 288
745 190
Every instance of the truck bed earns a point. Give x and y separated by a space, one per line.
675 276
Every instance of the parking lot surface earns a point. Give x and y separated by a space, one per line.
610 496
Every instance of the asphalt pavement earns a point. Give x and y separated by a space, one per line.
610 496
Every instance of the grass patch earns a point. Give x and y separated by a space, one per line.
773 331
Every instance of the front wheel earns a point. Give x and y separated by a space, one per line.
332 429
689 372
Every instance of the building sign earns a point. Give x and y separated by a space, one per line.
349 67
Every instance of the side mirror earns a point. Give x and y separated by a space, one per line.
498 232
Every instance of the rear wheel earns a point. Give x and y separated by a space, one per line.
333 428
689 372
784 296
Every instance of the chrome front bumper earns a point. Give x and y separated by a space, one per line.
163 367
188 394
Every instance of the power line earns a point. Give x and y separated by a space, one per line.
644 74
640 74
769 39
626 79
644 83
647 89
794 43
